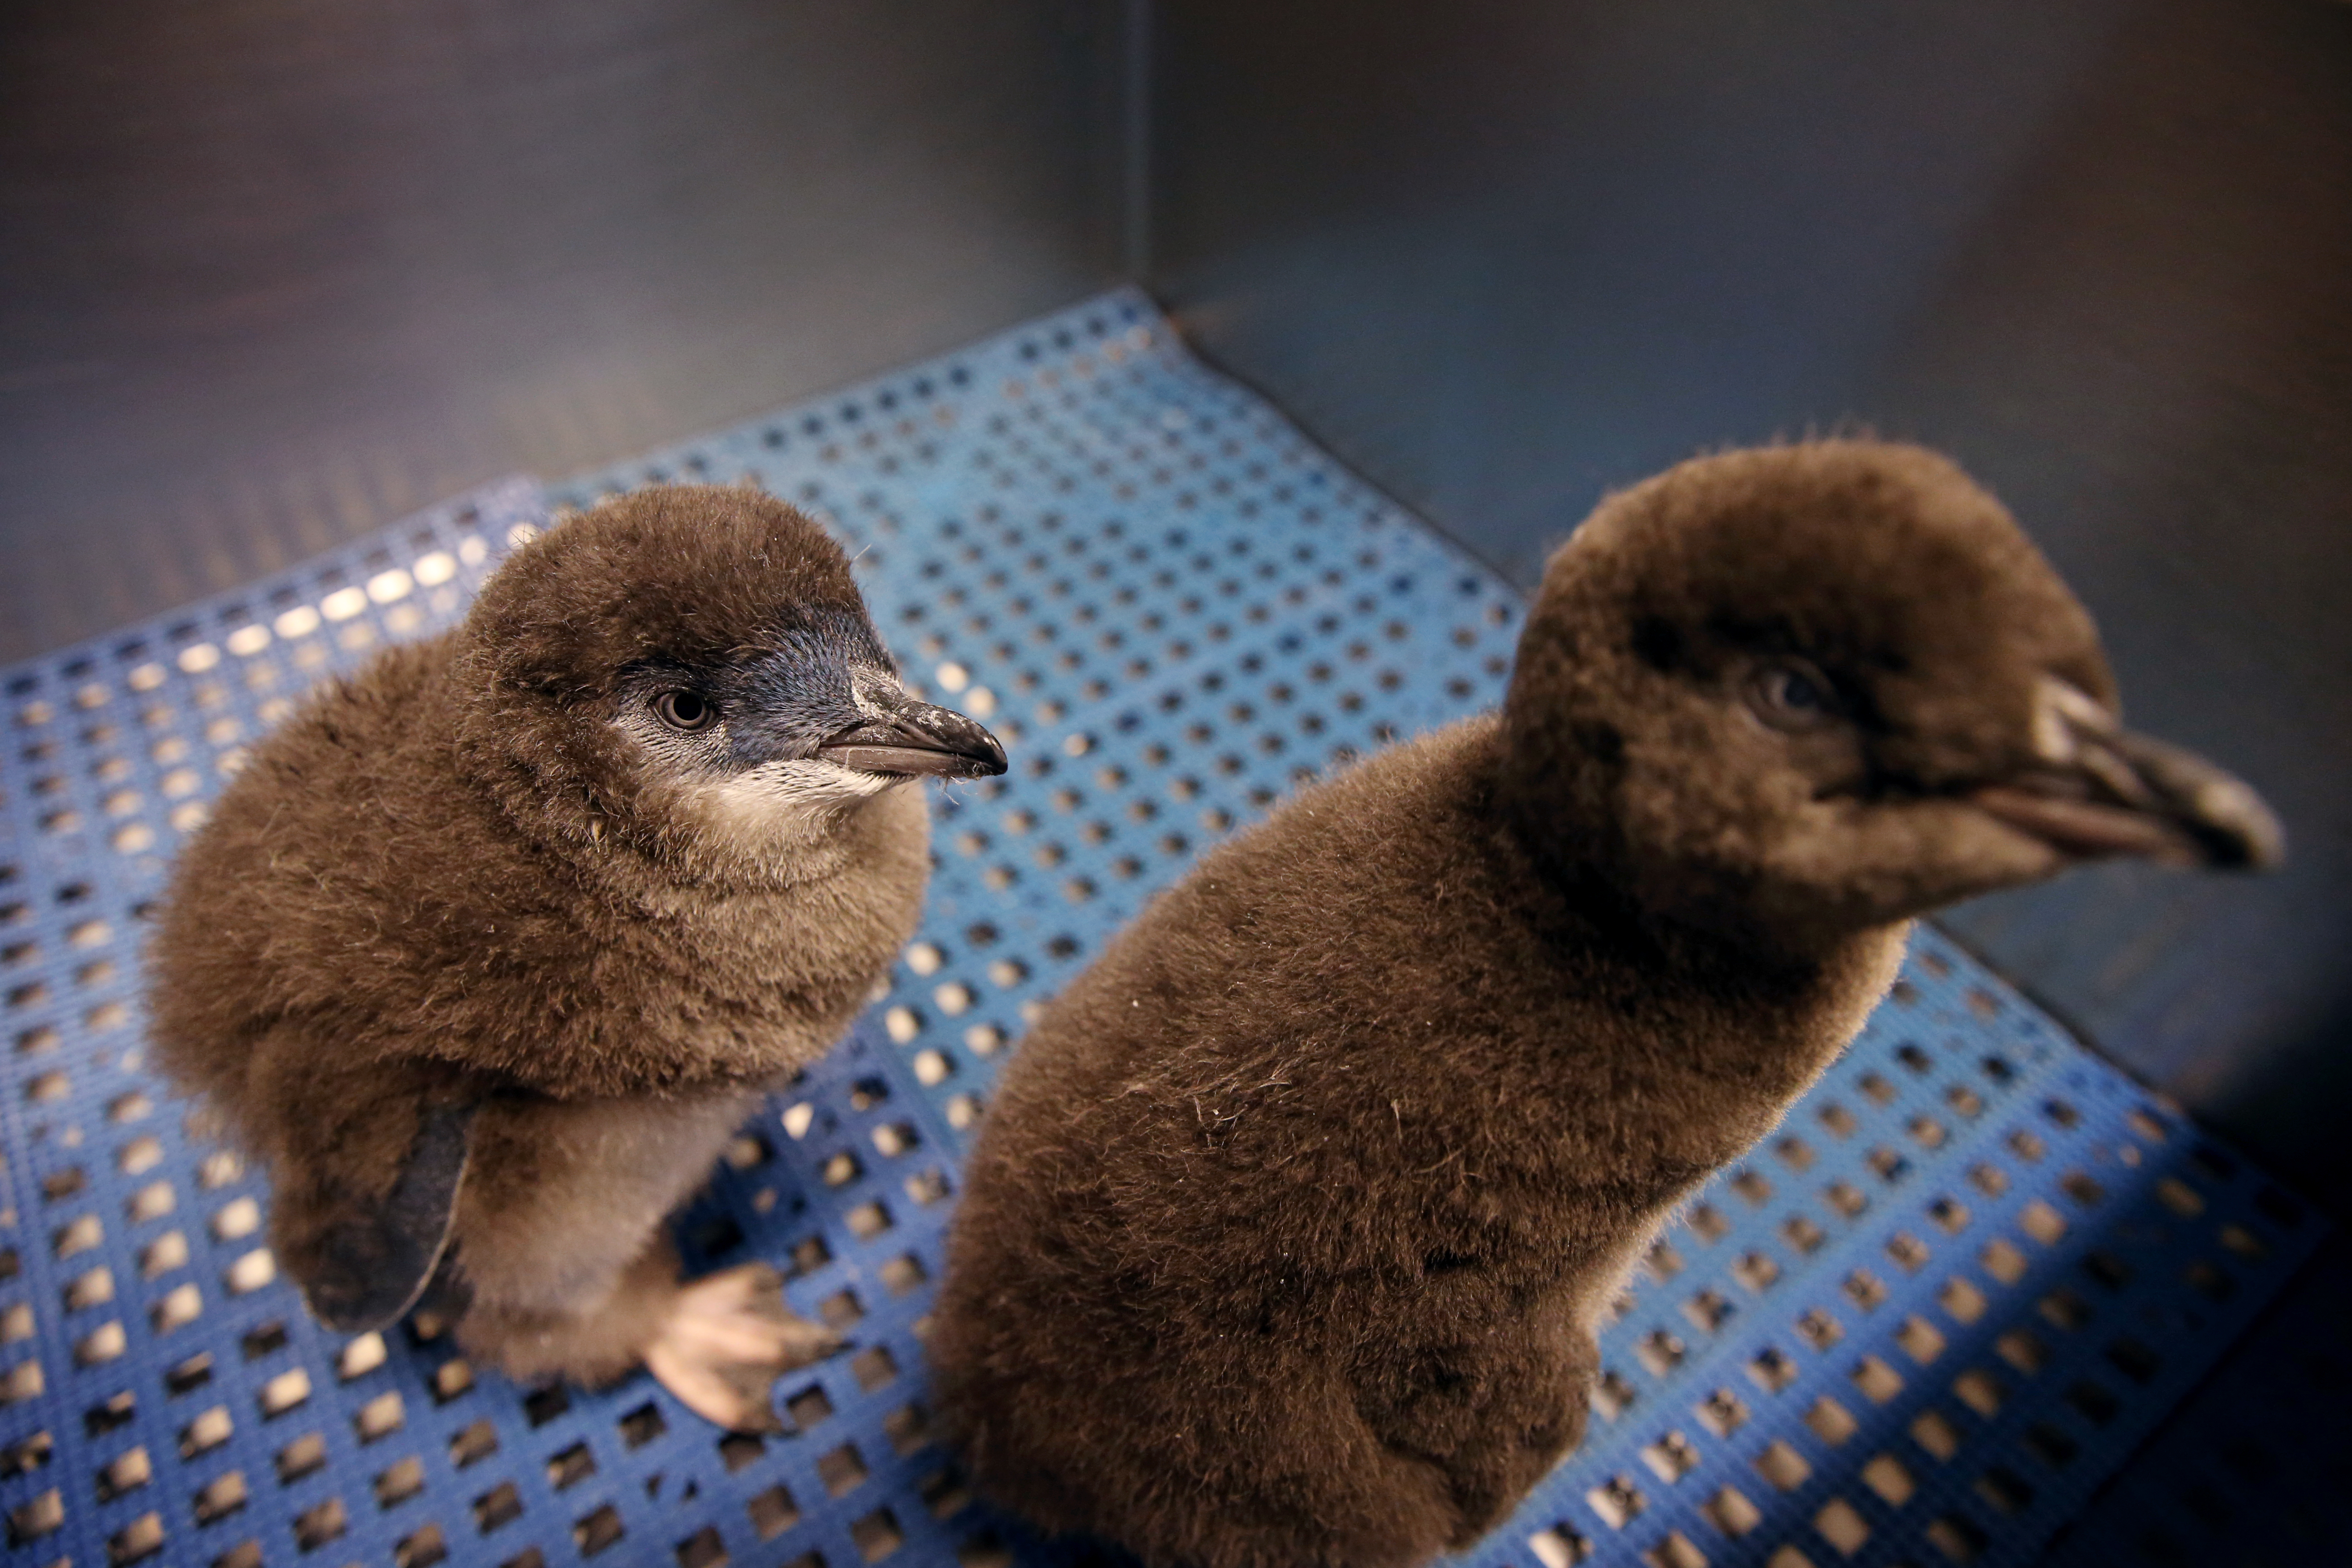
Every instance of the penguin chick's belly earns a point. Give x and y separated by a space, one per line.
559 1196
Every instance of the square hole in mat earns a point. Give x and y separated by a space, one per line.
1782 1466
323 1523
1616 1501
496 1506
1722 1412
597 1531
423 1549
877 1535
1556 1547
1674 1551
772 1511
703 1549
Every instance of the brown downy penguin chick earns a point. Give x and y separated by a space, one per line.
493 945
1283 1242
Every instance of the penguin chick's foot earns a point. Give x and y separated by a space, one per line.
727 1340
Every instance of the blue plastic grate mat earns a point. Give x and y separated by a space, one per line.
2252 1470
1919 1326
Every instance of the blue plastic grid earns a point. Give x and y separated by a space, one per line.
2253 1467
1976 1265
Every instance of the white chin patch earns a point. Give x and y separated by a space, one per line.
811 781
775 799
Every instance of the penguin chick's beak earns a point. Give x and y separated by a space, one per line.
2105 791
910 738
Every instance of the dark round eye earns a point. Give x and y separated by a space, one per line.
1789 694
685 711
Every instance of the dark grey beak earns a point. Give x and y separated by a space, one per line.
916 738
2107 791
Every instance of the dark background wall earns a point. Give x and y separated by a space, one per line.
273 274
1504 256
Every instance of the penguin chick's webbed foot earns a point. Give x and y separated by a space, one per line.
727 1340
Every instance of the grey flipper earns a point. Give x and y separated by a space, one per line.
374 1261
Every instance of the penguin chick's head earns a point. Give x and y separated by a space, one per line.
1810 688
690 663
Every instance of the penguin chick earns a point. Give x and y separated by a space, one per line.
1283 1242
493 946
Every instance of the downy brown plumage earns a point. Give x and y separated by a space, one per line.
1284 1237
492 945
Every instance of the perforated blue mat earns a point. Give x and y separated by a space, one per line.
1918 1326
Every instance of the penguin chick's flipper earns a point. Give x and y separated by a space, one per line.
365 1154
727 1340
370 1261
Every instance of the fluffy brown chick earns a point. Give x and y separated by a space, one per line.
1285 1239
492 945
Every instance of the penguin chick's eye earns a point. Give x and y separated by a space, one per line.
1789 694
688 710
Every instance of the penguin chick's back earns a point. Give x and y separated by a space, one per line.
1257 1215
